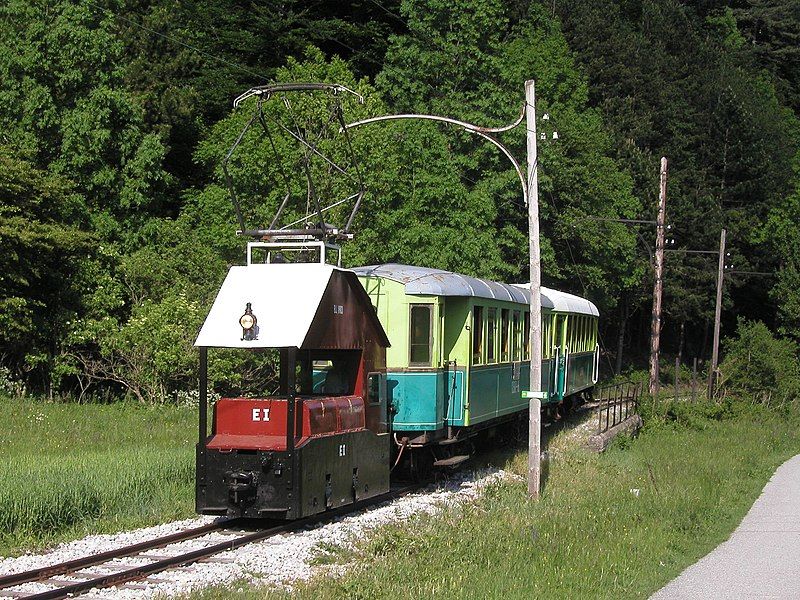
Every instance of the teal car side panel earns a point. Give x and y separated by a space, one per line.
418 400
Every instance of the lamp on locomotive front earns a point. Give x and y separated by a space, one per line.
248 322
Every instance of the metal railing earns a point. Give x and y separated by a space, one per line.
616 402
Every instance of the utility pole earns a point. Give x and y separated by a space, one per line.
535 400
655 332
712 373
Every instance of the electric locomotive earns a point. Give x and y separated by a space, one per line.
323 440
339 423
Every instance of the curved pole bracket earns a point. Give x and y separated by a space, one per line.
484 132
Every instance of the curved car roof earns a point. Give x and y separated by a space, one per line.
422 281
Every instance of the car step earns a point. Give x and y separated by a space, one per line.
452 461
448 441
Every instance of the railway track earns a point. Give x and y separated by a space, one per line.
122 573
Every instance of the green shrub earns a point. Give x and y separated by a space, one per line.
759 366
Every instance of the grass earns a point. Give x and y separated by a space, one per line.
592 534
68 470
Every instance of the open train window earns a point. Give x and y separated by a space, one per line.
545 336
477 335
421 335
515 334
491 333
526 336
504 330
571 333
585 334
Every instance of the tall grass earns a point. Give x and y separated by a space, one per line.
618 525
68 470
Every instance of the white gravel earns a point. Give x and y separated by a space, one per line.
278 560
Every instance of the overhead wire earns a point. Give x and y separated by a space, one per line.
383 66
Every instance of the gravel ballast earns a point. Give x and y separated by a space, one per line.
279 560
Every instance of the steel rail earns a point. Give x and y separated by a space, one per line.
69 566
142 571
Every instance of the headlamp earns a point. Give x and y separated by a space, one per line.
248 323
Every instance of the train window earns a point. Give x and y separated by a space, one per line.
584 334
526 336
491 331
587 334
505 324
575 346
515 335
545 336
374 388
477 335
421 339
571 333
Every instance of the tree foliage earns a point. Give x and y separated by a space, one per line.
116 226
760 366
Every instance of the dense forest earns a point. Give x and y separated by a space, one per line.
116 228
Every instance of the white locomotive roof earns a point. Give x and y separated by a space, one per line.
422 281
283 318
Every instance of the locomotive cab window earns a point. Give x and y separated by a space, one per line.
327 372
421 335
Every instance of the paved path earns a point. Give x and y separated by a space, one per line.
762 557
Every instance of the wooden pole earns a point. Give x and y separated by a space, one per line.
655 331
535 406
712 373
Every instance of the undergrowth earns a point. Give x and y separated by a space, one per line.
69 469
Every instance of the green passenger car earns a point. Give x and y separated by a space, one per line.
460 347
